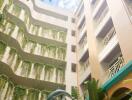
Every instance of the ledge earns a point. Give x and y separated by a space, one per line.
28 82
36 38
28 56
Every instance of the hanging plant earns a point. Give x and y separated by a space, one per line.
54 34
62 36
33 94
3 81
1 3
9 89
48 72
11 56
24 41
10 2
44 94
38 69
43 49
17 10
52 50
19 93
2 48
61 53
17 62
26 68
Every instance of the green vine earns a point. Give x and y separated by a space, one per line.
33 94
19 93
2 48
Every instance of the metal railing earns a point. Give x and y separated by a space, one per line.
83 44
115 67
101 17
109 36
93 6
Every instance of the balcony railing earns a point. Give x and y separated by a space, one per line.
109 36
82 27
115 67
84 67
29 69
33 29
101 17
83 44
11 91
93 6
31 46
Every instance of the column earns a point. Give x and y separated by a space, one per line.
15 32
19 69
31 72
22 15
4 91
42 73
14 62
6 54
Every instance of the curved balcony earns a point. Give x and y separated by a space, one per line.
30 46
21 17
28 69
9 91
44 15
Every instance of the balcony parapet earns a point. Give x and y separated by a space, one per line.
115 66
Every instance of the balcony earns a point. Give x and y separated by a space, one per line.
109 48
99 19
104 25
94 4
10 90
84 71
83 52
115 66
82 28
30 46
99 7
83 32
29 69
109 36
36 30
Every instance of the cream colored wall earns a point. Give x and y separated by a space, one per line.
92 44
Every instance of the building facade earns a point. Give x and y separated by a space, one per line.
37 50
105 37
44 48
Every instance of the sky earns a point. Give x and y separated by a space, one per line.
66 4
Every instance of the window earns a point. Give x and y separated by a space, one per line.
73 48
73 20
73 67
73 33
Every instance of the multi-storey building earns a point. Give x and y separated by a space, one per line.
37 50
103 44
44 48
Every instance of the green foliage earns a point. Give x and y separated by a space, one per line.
19 93
75 93
1 3
33 94
2 47
94 91
3 81
1 18
17 62
26 67
38 69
